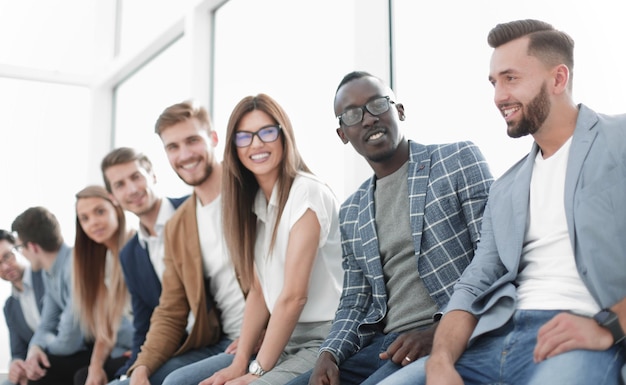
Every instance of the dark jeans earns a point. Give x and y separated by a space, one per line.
63 368
365 366
111 366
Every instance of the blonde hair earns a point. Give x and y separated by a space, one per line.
99 307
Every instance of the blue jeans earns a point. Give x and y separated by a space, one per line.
505 356
199 370
364 367
184 359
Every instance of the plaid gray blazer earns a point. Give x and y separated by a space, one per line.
448 187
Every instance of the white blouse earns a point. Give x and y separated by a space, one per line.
307 192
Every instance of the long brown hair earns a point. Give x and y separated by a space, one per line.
239 186
99 308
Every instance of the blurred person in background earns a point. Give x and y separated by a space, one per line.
57 349
101 299
129 176
22 310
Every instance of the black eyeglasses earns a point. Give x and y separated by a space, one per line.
354 115
267 134
7 257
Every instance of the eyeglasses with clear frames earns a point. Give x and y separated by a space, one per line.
354 115
267 134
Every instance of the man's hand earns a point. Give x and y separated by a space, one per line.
140 376
17 372
96 376
326 371
410 346
567 332
226 375
36 363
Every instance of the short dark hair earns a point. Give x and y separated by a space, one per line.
38 225
7 236
123 155
352 76
550 45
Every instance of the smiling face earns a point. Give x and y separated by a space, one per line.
262 159
521 88
189 147
10 269
375 137
98 219
132 186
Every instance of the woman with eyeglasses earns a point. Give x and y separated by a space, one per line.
100 296
282 232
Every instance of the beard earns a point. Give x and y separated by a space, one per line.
535 114
208 170
382 156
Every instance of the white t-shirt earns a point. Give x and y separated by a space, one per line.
548 278
218 266
307 192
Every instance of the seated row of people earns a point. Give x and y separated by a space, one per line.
241 282
253 293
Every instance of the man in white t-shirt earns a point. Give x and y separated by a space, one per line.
199 278
544 299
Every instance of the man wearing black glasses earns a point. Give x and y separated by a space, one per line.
22 310
407 234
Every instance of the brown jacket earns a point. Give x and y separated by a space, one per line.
183 290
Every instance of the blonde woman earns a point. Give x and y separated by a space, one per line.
100 296
281 228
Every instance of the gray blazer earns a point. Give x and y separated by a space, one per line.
595 207
19 331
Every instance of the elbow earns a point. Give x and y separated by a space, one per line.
294 302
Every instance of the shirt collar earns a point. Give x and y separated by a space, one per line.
261 206
165 212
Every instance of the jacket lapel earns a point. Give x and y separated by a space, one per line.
367 229
419 171
193 253
520 197
584 136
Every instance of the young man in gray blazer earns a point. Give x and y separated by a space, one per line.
544 300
